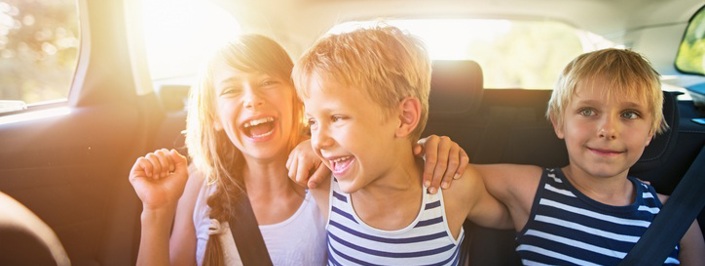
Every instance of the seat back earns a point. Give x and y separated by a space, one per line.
456 92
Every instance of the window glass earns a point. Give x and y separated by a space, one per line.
180 34
513 53
39 42
692 49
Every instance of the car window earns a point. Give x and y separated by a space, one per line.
39 42
691 54
525 54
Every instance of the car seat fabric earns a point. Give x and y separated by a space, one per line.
454 100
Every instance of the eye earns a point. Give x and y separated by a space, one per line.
269 82
337 118
311 123
630 114
230 91
586 112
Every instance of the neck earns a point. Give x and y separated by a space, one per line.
616 190
267 178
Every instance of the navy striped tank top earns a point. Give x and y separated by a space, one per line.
566 227
426 241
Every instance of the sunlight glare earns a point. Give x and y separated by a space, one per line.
444 38
181 34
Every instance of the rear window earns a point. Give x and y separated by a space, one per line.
525 54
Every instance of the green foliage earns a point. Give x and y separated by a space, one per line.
38 49
692 49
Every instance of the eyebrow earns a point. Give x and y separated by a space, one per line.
625 104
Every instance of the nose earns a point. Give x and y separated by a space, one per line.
320 137
251 98
609 128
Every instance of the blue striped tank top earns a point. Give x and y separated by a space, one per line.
566 227
426 241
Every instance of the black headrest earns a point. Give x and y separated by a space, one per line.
656 154
456 87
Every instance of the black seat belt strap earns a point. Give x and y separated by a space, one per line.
674 219
248 238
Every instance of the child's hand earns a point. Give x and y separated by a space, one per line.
445 161
159 178
305 168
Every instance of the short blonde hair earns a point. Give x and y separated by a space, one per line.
387 63
626 73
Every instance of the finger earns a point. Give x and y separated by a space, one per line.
165 161
443 150
321 173
464 162
430 155
180 163
453 164
418 150
304 170
141 168
156 164
418 147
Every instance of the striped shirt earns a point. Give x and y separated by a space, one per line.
426 241
566 227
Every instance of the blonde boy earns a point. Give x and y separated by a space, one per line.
366 98
607 107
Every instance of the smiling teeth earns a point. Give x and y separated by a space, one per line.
340 159
258 121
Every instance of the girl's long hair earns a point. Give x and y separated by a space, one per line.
212 152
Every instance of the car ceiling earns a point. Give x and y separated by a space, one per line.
297 23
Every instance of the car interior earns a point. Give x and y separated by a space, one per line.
68 161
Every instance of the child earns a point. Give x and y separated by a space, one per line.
607 107
243 120
366 98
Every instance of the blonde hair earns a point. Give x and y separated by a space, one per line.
626 73
212 152
387 63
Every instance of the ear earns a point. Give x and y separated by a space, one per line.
557 127
409 116
651 137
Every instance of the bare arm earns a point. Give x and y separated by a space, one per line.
445 161
692 246
182 244
158 178
486 210
514 186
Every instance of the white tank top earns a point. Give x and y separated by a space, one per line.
299 240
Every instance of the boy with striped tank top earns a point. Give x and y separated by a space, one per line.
606 105
366 98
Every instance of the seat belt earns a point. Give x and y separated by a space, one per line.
674 219
245 231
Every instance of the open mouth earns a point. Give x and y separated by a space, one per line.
259 128
339 165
